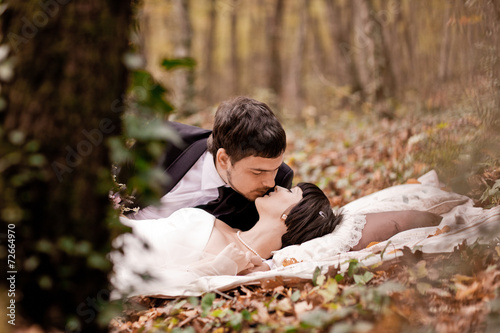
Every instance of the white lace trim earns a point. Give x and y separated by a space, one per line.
346 235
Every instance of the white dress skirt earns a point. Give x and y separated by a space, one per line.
164 254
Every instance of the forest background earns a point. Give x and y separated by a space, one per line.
371 94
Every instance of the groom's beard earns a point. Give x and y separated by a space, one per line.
253 194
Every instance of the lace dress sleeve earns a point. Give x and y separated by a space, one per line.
345 236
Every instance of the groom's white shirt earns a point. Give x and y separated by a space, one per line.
198 186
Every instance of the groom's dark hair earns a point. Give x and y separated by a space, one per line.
312 217
246 127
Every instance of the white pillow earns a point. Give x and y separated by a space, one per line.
425 197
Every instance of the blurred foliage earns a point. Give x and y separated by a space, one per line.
146 135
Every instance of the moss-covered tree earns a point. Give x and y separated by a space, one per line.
59 105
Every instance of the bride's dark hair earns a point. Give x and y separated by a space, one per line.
312 217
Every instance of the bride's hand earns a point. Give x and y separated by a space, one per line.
243 260
258 266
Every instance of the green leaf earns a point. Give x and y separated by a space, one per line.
363 279
206 303
236 320
423 287
218 313
147 95
186 62
295 296
119 153
315 318
318 278
37 160
179 304
353 267
44 246
98 261
17 137
194 301
155 129
246 315
390 287
83 247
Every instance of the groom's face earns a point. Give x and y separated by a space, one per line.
251 176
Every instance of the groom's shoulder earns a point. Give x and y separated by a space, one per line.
191 136
284 176
189 133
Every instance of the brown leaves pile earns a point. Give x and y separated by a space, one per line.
452 292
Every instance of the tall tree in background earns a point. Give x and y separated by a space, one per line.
347 67
444 55
372 57
339 36
61 105
209 72
235 63
293 93
183 79
275 37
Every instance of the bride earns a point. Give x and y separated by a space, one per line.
163 256
174 251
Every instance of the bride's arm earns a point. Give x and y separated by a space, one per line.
382 226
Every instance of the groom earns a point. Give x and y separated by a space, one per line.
224 170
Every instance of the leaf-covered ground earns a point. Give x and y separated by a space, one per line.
350 157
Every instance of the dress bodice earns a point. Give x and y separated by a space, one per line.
162 249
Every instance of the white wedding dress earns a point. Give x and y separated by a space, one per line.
163 255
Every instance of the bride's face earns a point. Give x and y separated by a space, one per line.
275 203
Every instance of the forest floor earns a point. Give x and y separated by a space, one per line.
350 157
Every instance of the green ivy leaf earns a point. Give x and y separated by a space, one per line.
423 287
363 279
317 280
353 267
315 318
185 62
206 303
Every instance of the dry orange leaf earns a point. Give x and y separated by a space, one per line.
465 292
289 261
443 230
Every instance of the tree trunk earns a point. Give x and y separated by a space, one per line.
61 108
235 64
373 59
208 85
363 48
340 39
275 34
183 79
294 92
319 51
445 47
